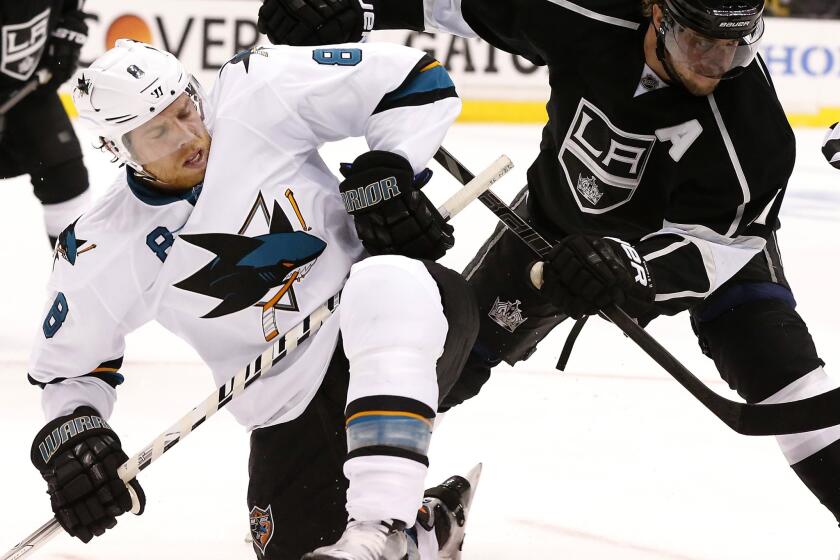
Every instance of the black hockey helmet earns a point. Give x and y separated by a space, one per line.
721 19
713 38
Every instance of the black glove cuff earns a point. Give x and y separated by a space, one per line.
65 432
381 158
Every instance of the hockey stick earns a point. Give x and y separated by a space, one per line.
42 77
245 377
805 415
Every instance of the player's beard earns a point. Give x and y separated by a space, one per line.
171 173
691 86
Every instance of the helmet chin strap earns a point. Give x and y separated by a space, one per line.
662 54
147 177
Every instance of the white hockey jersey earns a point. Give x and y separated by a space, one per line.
267 230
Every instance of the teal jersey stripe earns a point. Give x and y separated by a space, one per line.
432 79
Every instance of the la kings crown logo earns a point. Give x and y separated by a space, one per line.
23 44
603 164
507 314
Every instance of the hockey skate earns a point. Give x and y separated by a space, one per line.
445 509
369 540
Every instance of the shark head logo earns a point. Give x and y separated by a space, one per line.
246 268
69 247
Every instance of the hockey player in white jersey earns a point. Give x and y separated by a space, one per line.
227 228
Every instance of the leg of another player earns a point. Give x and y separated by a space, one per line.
514 317
296 487
762 348
41 131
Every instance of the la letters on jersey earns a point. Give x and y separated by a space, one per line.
23 44
603 164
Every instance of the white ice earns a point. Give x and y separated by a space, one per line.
610 460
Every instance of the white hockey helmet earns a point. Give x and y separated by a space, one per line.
127 87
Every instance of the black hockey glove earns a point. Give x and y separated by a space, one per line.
392 216
585 273
64 47
315 22
78 455
831 146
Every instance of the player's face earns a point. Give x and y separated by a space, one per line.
699 61
173 146
695 83
702 61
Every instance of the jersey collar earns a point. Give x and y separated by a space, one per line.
154 197
649 82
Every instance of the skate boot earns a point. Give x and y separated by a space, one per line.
369 540
444 510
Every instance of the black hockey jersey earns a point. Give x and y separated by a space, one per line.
25 28
689 180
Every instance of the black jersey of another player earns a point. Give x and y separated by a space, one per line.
626 155
25 28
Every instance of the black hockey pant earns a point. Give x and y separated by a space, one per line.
38 139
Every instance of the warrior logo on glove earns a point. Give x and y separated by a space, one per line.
67 430
370 195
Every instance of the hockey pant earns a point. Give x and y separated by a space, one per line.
749 327
38 139
359 449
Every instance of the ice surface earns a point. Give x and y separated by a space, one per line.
610 460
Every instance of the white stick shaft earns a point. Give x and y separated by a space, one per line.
476 187
227 392
41 535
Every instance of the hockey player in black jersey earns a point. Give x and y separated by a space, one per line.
36 136
660 176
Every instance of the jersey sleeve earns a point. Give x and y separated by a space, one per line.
78 348
499 22
446 15
400 99
689 259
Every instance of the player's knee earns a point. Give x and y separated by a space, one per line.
473 376
391 303
461 311
759 347
60 182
